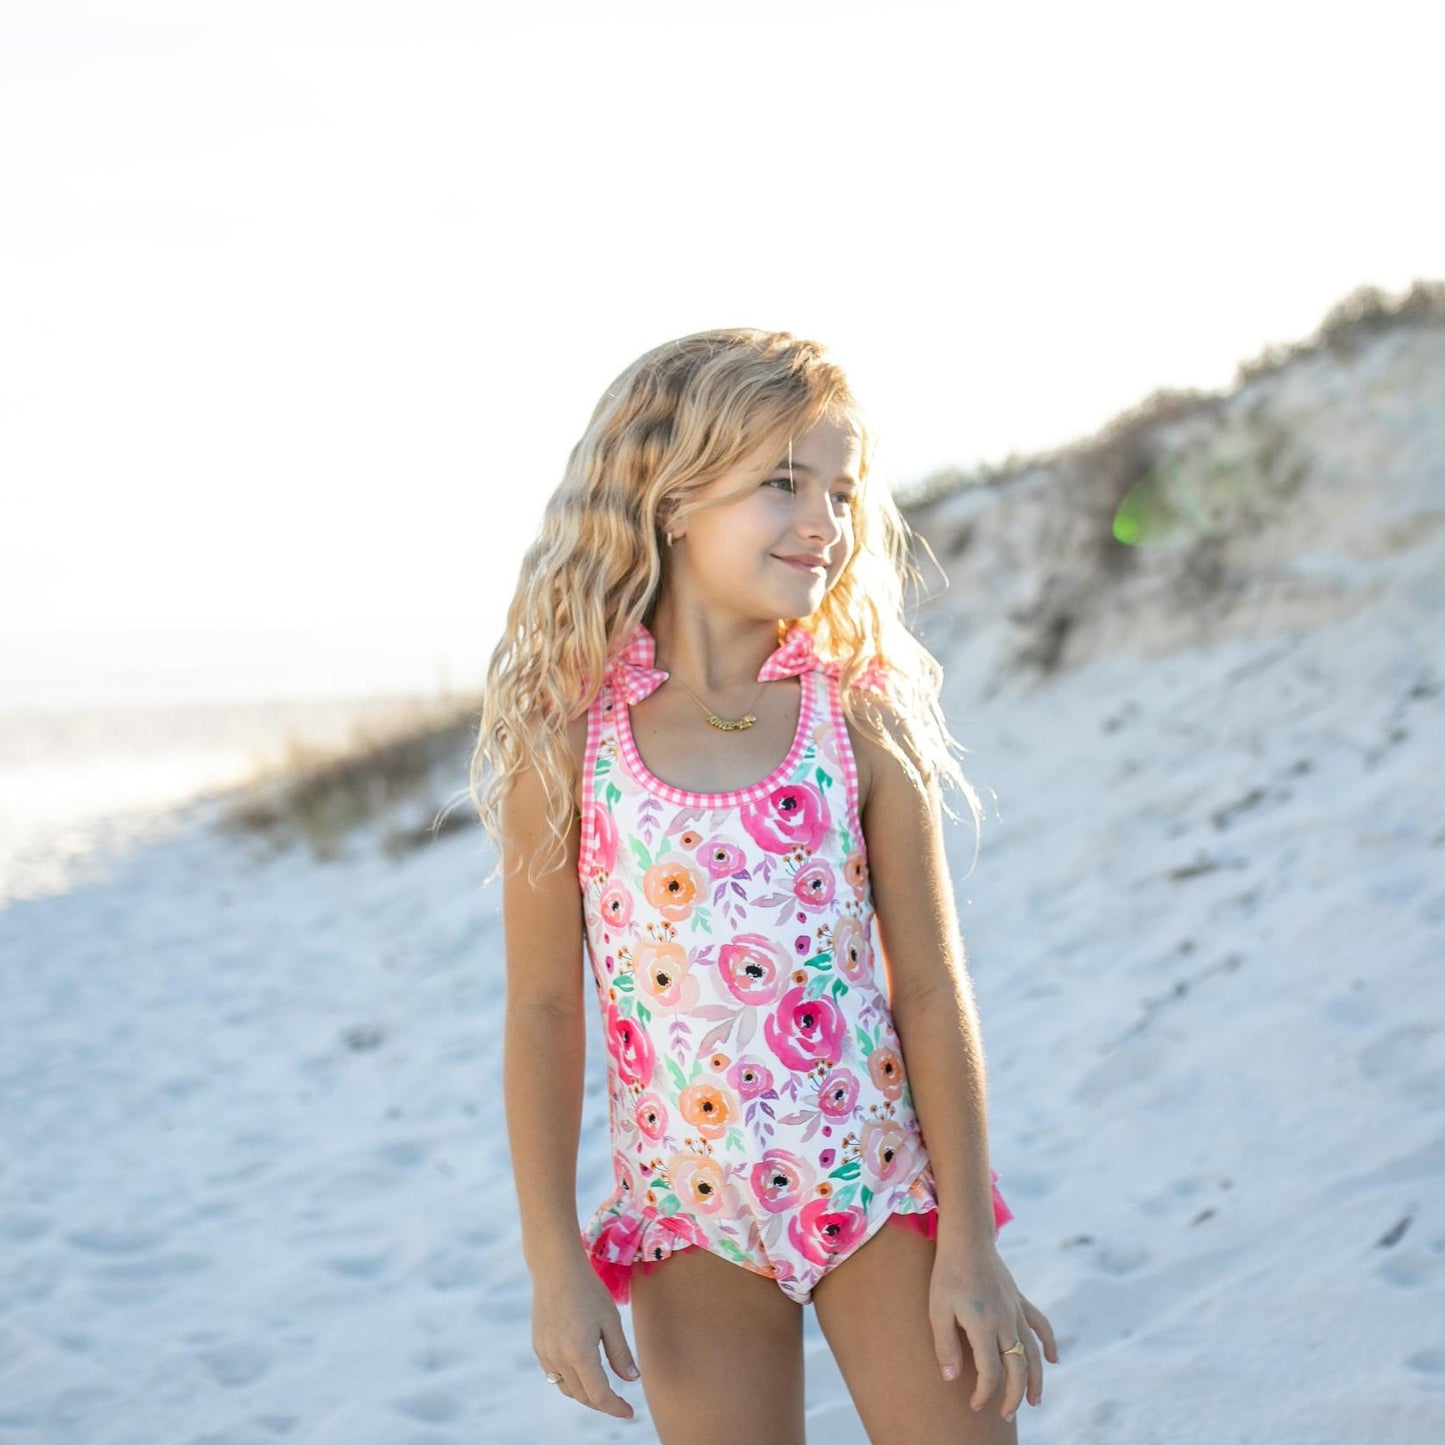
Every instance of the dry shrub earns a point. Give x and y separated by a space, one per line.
1367 312
1121 446
321 795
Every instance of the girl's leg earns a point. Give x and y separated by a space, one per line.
721 1353
873 1311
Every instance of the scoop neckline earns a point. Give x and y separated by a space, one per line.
686 797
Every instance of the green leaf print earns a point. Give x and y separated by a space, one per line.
732 1249
678 1077
644 858
644 1013
843 1195
823 779
622 982
868 1044
816 986
840 987
733 1138
819 960
668 1204
865 1197
612 793
850 1170
701 920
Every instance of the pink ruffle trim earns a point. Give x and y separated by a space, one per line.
618 1277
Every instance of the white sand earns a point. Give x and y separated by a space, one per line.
254 1185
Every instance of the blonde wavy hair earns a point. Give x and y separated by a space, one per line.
677 418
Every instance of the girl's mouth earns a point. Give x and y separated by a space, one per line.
807 564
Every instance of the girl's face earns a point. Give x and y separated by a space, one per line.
772 538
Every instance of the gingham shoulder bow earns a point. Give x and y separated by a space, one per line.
634 673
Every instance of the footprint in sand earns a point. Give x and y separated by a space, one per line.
112 1240
23 1228
236 1363
430 1407
435 1358
360 1266
1412 1270
278 1424
1121 1258
451 1268
1411 1059
125 1281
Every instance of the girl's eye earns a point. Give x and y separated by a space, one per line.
785 482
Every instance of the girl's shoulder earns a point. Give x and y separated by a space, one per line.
881 739
576 737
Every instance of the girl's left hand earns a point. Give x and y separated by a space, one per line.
974 1292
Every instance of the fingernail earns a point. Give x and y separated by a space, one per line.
950 1372
1010 1415
631 1372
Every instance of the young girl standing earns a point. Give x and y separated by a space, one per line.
713 757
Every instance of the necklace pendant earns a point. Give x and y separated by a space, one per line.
730 725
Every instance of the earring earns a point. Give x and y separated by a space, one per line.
669 539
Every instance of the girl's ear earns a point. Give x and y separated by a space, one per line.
671 530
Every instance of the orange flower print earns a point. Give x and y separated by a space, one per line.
671 887
699 1182
663 974
883 1145
885 1068
852 953
689 840
709 1107
855 870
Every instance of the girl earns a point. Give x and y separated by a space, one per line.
713 757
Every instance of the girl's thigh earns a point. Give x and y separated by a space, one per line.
721 1353
873 1311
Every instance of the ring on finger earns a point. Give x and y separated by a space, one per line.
1017 1348
553 1378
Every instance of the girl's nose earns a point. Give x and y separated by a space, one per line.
822 520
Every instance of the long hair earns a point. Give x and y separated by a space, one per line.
677 418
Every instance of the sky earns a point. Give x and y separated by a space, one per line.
304 304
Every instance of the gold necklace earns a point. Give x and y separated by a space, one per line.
723 724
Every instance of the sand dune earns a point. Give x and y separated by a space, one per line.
254 1184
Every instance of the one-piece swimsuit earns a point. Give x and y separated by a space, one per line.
758 1103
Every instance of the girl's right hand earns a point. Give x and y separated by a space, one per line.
571 1313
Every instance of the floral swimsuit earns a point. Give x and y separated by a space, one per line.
758 1102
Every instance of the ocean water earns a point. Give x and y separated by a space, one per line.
77 783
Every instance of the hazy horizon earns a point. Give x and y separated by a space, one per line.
305 305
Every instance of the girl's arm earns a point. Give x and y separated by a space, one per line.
544 1049
929 991
931 999
544 1055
